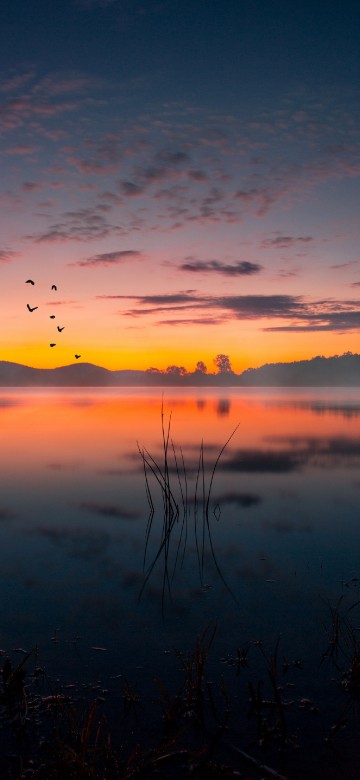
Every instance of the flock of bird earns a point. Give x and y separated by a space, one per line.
52 316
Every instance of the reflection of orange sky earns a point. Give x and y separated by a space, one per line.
101 430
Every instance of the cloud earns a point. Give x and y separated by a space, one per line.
193 321
60 303
327 321
241 268
85 224
110 258
20 149
169 299
341 266
14 83
7 255
302 314
131 189
33 102
104 157
30 186
166 166
286 242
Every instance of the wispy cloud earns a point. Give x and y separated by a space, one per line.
110 258
7 255
192 321
301 314
84 224
241 268
286 242
20 150
30 186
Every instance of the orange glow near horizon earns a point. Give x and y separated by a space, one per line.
254 352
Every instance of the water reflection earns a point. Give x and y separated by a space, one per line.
74 508
223 407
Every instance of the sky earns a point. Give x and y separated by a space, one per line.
186 172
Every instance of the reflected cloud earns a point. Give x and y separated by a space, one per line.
85 544
285 526
63 465
258 461
309 446
9 403
6 513
114 472
321 408
263 568
300 451
243 500
108 510
132 579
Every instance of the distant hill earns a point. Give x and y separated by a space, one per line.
337 371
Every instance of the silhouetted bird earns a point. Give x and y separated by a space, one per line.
52 316
29 281
33 308
52 345
54 287
77 357
60 329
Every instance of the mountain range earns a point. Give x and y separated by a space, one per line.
336 371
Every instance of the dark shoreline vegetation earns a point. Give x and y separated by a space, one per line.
257 710
336 371
251 720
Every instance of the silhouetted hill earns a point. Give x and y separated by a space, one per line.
341 371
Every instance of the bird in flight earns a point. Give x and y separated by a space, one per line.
52 345
60 329
29 281
54 287
77 357
52 316
33 308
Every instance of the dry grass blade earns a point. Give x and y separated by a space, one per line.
174 493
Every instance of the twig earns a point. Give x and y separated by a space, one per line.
261 767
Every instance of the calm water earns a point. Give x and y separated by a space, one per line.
284 523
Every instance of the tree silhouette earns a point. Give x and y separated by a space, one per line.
201 367
176 370
223 364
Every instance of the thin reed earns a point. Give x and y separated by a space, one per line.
184 515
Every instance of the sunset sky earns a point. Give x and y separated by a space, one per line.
187 173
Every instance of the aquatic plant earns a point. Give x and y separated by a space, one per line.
180 510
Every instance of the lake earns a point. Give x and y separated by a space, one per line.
263 557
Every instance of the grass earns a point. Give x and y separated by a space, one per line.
185 514
206 724
247 715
